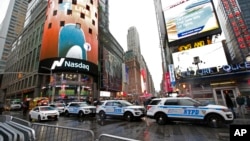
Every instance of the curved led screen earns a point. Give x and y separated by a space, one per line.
71 30
189 18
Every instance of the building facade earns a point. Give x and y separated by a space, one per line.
10 28
210 84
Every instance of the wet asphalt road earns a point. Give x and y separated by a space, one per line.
144 130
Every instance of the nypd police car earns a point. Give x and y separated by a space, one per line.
79 108
168 109
121 108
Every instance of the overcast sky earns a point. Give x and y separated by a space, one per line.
139 13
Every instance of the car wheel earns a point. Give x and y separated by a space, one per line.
66 113
128 116
161 119
39 118
81 114
30 119
56 117
102 115
214 121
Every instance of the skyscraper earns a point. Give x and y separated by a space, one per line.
11 27
235 22
133 41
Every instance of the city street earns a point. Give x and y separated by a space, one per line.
145 130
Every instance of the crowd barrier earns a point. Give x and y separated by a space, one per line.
16 129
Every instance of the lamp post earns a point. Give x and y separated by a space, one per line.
51 85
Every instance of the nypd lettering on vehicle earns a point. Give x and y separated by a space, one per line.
184 111
114 110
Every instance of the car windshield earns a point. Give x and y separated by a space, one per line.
47 108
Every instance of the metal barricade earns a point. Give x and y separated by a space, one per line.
45 132
108 137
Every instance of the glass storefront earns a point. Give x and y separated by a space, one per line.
69 86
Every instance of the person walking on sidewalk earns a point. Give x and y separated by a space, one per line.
230 104
240 100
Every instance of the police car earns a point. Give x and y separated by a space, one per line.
79 108
168 109
121 108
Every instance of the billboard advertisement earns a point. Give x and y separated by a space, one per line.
71 30
199 58
112 71
189 18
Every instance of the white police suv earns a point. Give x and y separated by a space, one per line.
121 108
168 109
79 108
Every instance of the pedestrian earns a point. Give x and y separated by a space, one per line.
25 107
248 101
240 100
230 104
1 107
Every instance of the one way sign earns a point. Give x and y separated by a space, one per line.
241 132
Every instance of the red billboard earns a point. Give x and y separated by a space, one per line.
167 83
71 30
237 22
191 19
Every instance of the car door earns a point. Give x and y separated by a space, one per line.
190 109
73 108
35 112
118 108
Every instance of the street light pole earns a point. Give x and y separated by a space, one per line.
51 84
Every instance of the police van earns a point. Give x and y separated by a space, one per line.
168 109
120 108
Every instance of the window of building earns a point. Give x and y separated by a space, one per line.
90 31
69 11
62 23
87 7
93 22
82 15
54 12
60 1
74 2
50 25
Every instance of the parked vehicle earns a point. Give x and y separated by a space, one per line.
43 113
79 108
15 105
121 108
59 106
168 109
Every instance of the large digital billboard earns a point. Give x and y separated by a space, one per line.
200 58
71 30
112 71
189 19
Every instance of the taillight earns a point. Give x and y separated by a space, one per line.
148 107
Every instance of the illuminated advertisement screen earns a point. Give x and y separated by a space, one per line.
112 71
205 56
71 30
188 18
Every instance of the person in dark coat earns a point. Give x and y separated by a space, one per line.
230 104
1 107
